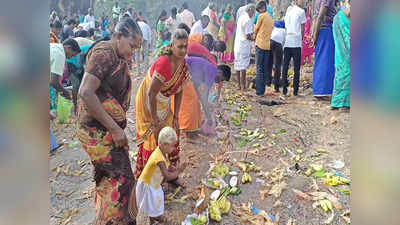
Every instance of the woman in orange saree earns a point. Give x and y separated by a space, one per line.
190 115
164 79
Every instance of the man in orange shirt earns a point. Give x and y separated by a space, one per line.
262 32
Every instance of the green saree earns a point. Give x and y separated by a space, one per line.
341 35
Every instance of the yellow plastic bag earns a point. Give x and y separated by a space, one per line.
64 107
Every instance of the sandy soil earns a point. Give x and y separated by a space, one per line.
309 125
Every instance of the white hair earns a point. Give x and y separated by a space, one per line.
180 34
167 135
250 7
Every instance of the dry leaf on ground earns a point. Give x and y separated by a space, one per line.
334 201
314 186
64 194
301 195
277 203
346 216
291 222
246 216
82 163
333 120
67 217
330 218
77 173
277 189
263 193
318 195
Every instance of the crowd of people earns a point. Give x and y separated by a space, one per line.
303 33
90 65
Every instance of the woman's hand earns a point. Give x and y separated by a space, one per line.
155 87
119 138
209 122
313 41
176 124
157 126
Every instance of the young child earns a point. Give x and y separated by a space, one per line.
149 194
166 38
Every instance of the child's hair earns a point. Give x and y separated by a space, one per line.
220 46
91 32
167 135
210 42
226 71
82 33
166 36
261 5
185 27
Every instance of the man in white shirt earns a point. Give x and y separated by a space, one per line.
116 10
186 16
173 21
58 54
53 17
200 27
89 19
294 23
244 37
242 10
144 51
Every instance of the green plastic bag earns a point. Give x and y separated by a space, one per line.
64 107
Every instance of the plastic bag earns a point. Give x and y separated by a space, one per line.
64 107
212 97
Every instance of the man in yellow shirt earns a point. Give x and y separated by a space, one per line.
262 32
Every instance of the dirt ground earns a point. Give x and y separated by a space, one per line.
299 127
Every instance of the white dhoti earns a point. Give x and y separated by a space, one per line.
242 44
149 200
242 58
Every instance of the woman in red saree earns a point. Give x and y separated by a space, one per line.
164 79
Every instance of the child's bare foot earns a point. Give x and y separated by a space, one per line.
181 183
